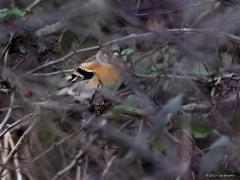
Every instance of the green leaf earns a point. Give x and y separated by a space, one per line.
19 11
126 53
200 130
6 12
3 12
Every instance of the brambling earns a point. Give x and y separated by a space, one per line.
96 75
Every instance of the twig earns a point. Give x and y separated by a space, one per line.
18 145
140 148
12 35
177 10
5 62
127 110
78 174
51 29
34 3
50 63
206 14
15 160
75 160
109 164
9 112
6 109
9 127
53 73
17 64
134 36
4 154
59 142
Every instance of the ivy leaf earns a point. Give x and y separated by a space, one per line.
126 53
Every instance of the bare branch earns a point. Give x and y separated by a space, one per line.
18 145
34 4
75 160
11 126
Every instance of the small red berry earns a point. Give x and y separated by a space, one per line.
27 93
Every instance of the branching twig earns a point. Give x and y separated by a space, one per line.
18 145
59 142
8 128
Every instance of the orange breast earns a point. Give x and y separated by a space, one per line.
107 73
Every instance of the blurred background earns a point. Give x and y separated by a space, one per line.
174 115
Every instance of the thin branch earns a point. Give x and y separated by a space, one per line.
6 109
18 145
109 164
59 143
15 160
51 29
9 112
50 63
11 126
34 4
134 36
177 10
12 35
75 160
140 148
53 73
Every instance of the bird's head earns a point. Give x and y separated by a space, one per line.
108 54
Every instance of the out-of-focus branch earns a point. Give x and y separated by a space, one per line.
75 160
140 148
60 142
56 27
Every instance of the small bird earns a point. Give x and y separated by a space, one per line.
93 76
